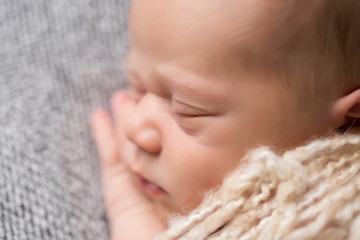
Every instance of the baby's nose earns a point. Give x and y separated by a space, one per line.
142 128
146 138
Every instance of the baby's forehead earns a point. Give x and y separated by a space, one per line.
220 33
212 23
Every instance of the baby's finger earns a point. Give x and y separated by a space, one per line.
105 139
120 104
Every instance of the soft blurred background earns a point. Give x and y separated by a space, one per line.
58 61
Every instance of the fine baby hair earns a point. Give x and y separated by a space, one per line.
310 46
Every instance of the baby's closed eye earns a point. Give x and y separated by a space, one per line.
191 119
184 110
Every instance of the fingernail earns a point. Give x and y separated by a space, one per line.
118 100
119 97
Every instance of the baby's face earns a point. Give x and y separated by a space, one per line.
188 122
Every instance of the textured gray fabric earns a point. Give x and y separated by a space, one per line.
58 61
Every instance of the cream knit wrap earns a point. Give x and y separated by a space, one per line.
312 192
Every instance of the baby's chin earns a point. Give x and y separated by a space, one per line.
166 211
169 209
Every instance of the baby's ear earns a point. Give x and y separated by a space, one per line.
346 107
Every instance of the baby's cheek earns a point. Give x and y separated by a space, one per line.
196 182
192 168
195 194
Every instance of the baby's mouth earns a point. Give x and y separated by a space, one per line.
150 188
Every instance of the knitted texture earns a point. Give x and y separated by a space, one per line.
58 61
312 192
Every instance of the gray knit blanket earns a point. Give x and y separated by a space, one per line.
58 61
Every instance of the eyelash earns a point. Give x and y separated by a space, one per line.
189 123
186 111
183 115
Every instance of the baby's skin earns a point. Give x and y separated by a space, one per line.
193 111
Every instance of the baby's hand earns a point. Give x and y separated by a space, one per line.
131 215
